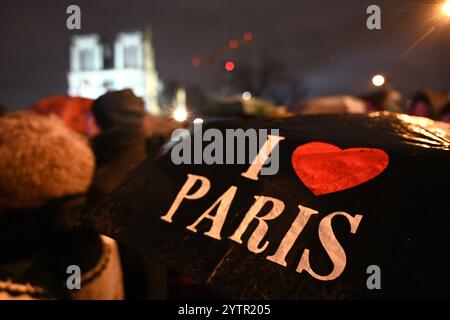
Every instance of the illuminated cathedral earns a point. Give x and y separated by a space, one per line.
97 67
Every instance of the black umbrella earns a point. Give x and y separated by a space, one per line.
357 209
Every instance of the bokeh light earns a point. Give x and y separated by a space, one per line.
378 80
446 8
229 66
246 95
248 36
233 44
180 114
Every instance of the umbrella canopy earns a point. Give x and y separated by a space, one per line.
74 111
356 197
333 104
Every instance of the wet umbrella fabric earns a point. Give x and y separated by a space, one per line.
389 216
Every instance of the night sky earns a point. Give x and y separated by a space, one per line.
325 43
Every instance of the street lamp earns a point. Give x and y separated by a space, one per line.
378 80
445 8
180 114
246 95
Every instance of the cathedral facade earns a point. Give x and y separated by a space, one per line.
97 67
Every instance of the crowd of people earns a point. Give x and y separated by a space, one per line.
55 159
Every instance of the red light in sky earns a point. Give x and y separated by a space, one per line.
248 36
196 62
233 44
229 66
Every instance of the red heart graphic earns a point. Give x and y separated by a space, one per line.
325 168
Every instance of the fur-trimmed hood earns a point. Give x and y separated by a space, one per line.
40 160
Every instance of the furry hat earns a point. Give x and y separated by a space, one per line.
40 160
